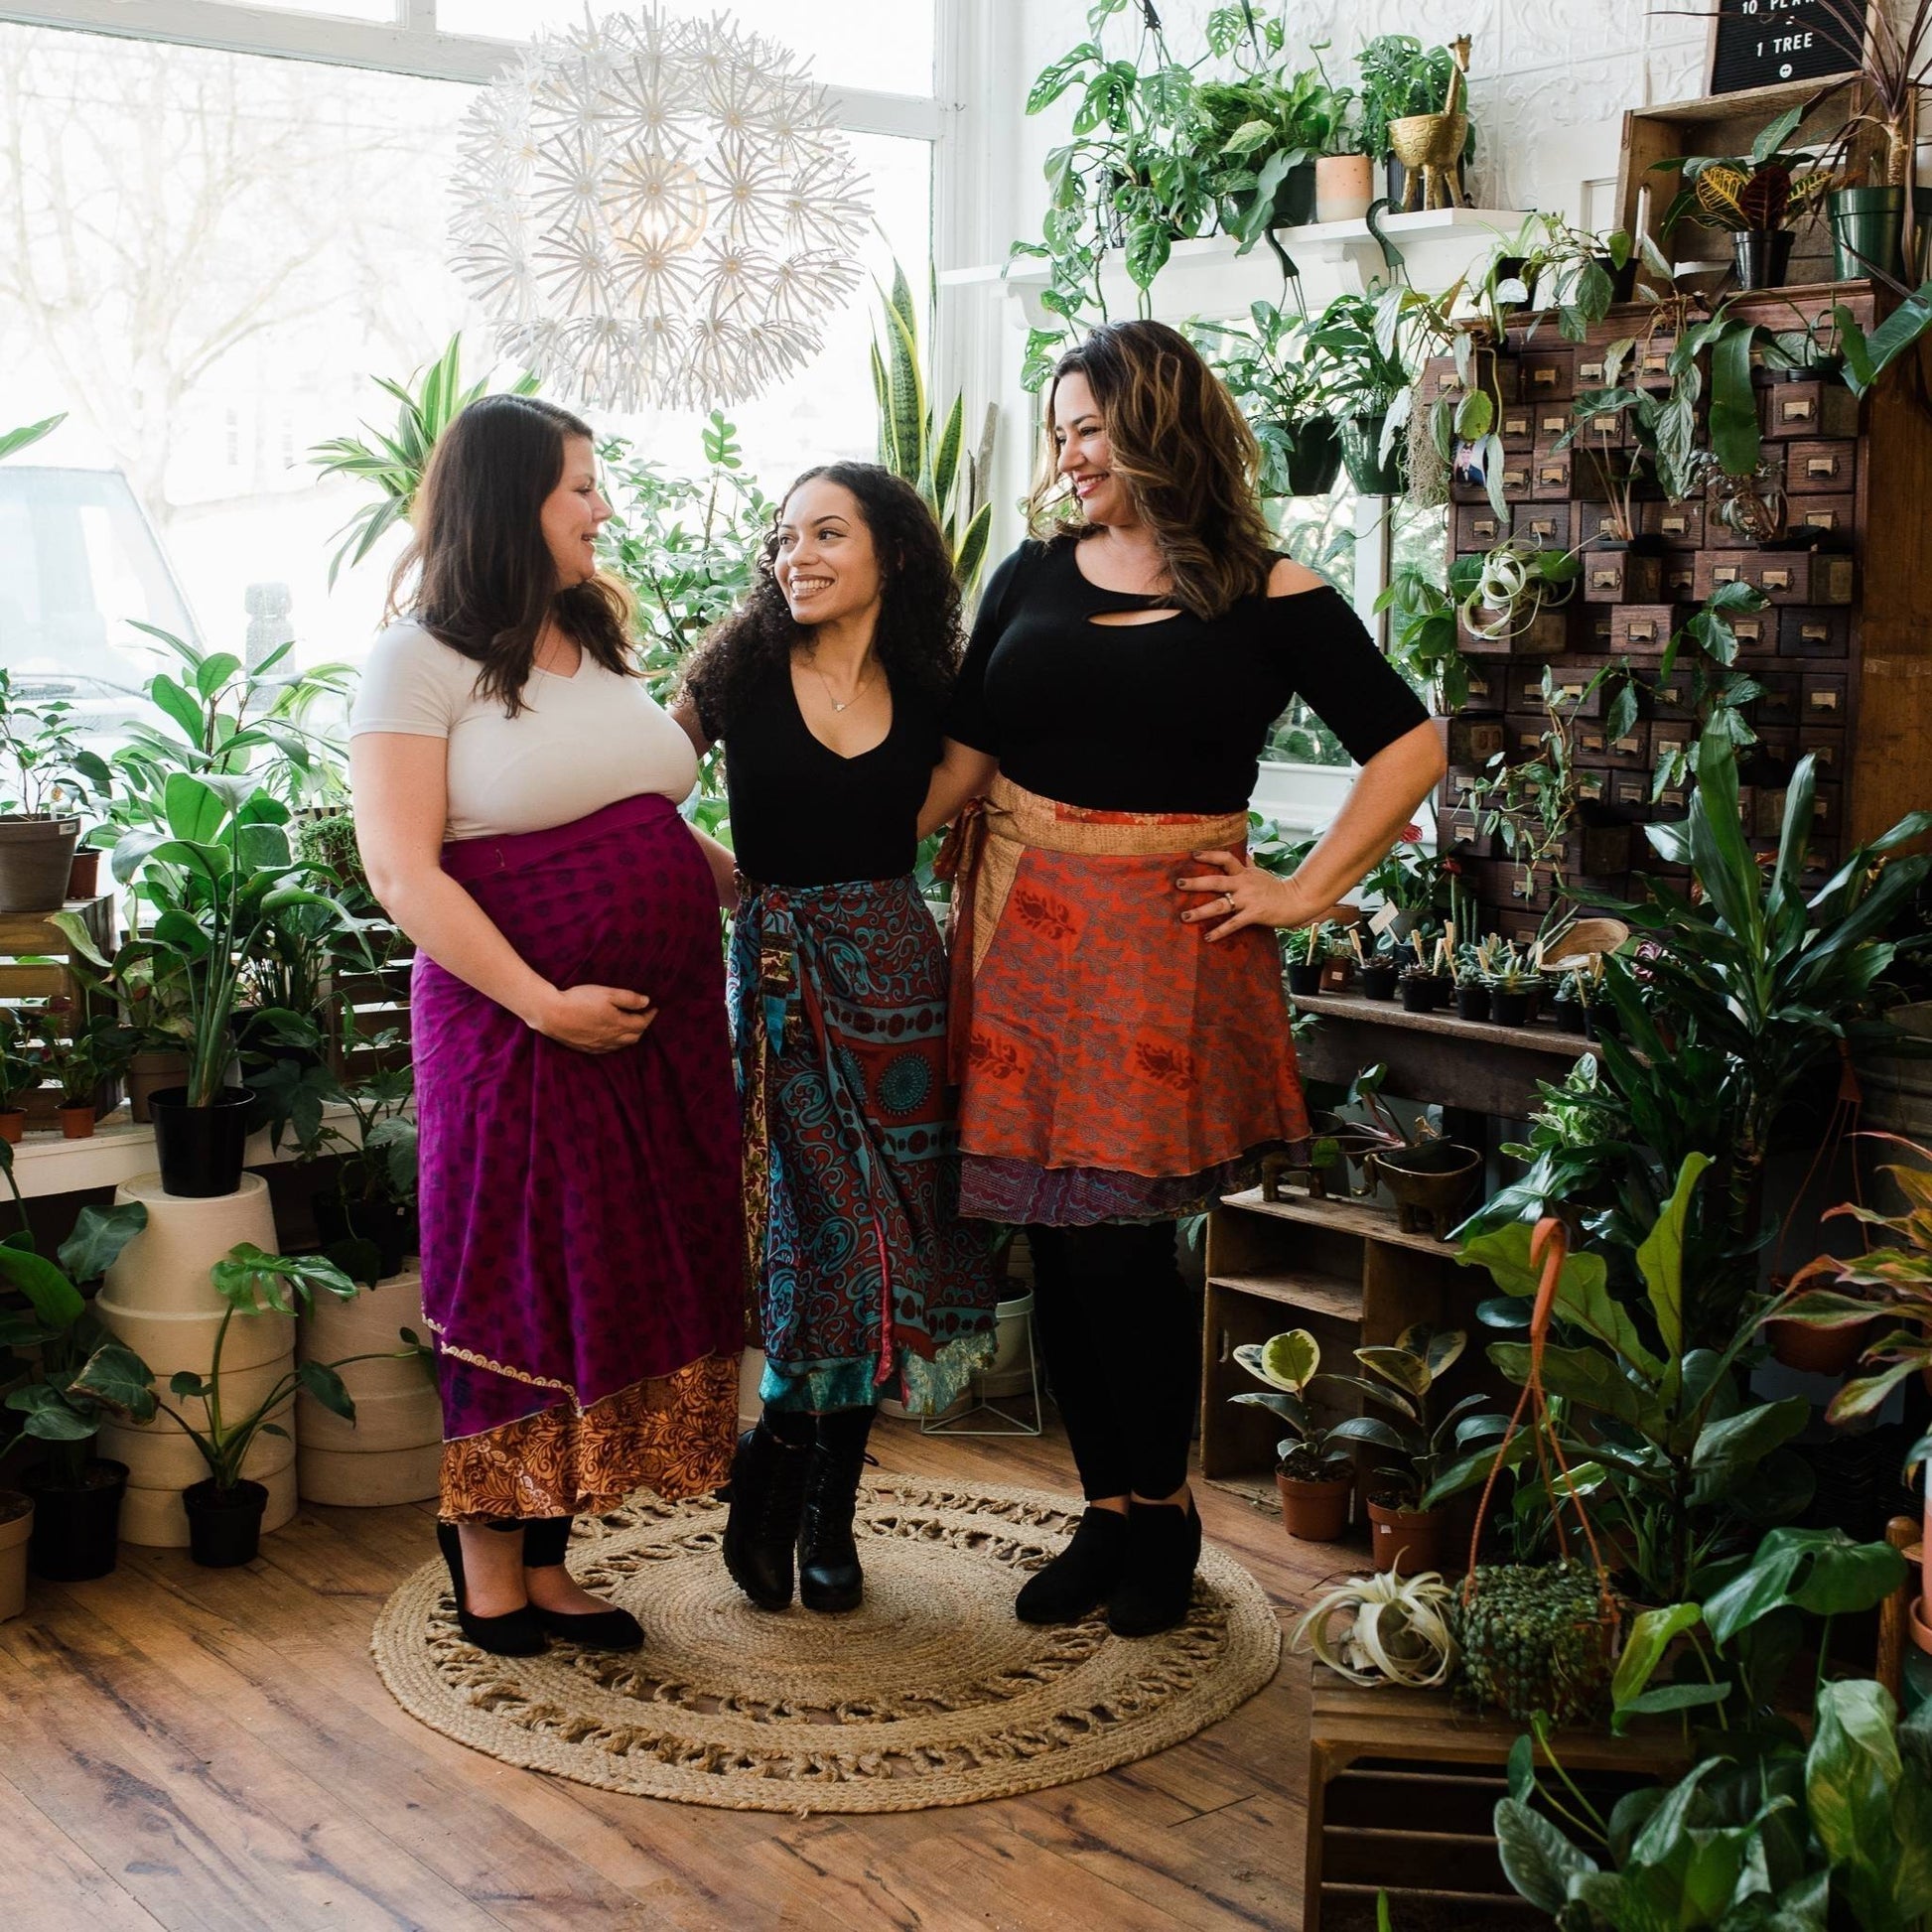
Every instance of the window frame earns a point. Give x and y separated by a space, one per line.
414 44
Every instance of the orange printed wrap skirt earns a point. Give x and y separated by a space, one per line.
1113 1064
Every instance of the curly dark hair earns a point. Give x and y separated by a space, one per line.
918 637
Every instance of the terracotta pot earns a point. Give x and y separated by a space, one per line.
1818 1351
76 1122
1417 1539
83 873
1920 1629
1315 1511
13 1123
147 1073
1344 186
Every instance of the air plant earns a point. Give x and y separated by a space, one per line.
1516 583
1396 1630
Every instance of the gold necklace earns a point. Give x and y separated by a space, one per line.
857 690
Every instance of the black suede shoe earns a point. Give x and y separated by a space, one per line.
767 1500
1082 1576
545 1540
517 1633
829 1577
1158 1582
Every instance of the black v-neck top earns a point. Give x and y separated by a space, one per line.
801 816
1168 716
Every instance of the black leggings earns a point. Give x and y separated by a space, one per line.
1122 1348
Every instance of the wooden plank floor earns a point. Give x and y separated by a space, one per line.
211 1750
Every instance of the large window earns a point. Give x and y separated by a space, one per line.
212 256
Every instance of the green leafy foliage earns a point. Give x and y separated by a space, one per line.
393 462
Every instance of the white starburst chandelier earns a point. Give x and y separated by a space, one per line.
654 209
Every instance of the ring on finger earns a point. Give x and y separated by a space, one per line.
1227 901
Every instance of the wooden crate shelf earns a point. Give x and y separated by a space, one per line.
1342 1268
1402 1793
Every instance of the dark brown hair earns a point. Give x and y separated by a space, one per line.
1186 455
485 578
918 638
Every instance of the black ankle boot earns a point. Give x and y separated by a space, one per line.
546 1539
767 1499
1158 1583
829 1577
517 1633
1082 1576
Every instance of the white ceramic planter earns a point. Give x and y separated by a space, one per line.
1010 1371
1344 186
14 1534
394 1450
157 1299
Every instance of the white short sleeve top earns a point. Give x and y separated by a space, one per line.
578 745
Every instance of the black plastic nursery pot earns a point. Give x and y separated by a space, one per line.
1361 451
224 1529
1509 1009
1304 979
389 1227
1472 1003
200 1149
1423 991
1378 981
1314 462
1762 257
76 1527
1573 1017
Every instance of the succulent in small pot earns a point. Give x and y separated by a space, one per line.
1472 987
1571 1001
1379 970
1422 989
1513 980
1308 959
1313 1476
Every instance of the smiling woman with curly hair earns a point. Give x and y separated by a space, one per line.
827 688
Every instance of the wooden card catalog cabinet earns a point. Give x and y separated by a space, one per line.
1841 652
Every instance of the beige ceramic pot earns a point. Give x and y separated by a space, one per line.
1344 186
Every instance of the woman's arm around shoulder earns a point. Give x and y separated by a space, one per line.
961 773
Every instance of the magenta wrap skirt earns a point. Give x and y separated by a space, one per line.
580 1211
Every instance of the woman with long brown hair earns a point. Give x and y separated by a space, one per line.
826 687
516 794
1124 1059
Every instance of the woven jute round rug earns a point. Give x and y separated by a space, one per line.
931 1693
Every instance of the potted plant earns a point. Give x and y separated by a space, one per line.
1263 131
1472 984
20 1074
1402 1380
1308 955
1400 79
1312 1477
1282 386
1379 970
1396 1630
1425 982
1537 1638
1570 1003
1410 879
214 877
1512 976
44 772
76 1377
149 989
368 1218
1366 380
85 1053
1869 214
1755 199
225 1510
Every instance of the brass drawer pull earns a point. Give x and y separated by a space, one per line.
1777 579
1821 465
1725 574
1605 580
1824 701
1800 411
1643 633
1814 634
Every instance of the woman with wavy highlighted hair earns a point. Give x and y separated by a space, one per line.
1117 1015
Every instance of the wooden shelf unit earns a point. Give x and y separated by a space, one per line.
1402 1794
1342 1268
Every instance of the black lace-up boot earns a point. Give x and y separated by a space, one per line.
829 1576
767 1499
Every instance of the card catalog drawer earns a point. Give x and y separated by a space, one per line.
1622 577
1642 627
1681 525
1805 631
1546 373
1808 407
1547 525
1820 468
1479 527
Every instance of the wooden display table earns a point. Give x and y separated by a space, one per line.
1402 1791
1434 1057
